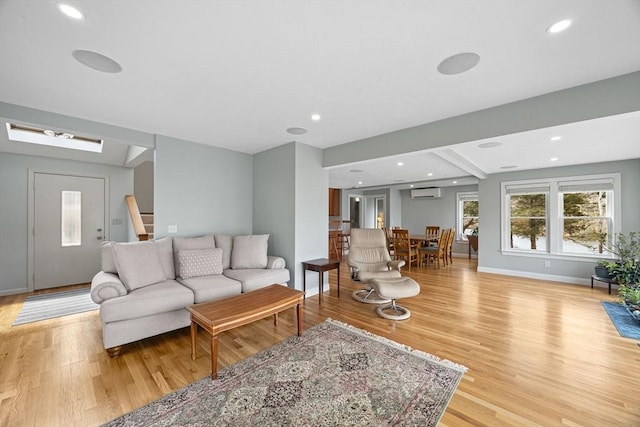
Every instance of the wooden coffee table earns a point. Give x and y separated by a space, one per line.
228 313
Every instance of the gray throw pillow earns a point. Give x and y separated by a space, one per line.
108 263
165 252
250 251
185 243
200 262
138 264
225 242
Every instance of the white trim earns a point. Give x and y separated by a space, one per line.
537 276
31 214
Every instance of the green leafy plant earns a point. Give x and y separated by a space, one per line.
629 295
626 269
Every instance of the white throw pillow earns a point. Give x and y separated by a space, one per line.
108 262
225 242
165 252
200 262
138 264
250 251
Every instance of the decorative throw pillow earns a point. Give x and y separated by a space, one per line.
250 251
138 264
165 252
108 261
225 242
200 262
185 243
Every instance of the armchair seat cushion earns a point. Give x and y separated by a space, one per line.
153 299
208 288
366 276
253 279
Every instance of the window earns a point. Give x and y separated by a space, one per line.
71 218
467 214
565 217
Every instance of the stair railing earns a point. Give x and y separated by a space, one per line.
136 218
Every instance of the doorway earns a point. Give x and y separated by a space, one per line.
67 226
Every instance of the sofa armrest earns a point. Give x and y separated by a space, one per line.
275 262
105 286
396 264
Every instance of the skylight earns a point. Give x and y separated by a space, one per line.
52 138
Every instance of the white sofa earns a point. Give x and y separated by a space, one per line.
144 287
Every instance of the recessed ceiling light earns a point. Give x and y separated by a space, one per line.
315 117
459 63
97 61
555 138
411 186
430 174
490 144
554 159
400 164
359 182
297 131
70 11
508 167
455 182
559 26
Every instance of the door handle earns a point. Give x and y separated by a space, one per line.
99 229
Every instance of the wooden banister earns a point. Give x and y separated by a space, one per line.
136 218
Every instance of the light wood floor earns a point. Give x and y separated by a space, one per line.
539 354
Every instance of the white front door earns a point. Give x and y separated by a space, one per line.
69 218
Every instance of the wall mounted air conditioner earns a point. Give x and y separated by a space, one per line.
425 193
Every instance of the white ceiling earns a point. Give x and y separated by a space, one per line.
237 74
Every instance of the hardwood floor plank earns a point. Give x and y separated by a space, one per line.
539 353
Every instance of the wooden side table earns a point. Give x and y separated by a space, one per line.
320 265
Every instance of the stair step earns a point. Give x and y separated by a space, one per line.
147 218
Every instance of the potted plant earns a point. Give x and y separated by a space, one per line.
629 295
603 268
626 268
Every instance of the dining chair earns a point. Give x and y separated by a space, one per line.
403 248
345 237
432 232
452 237
438 252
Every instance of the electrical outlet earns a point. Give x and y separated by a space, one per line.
172 229
547 263
116 221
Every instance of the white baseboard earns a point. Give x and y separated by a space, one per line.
538 276
14 291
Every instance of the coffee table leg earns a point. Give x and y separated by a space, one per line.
194 331
275 319
299 313
214 357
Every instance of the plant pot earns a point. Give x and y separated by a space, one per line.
603 272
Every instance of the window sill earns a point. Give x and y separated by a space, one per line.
564 257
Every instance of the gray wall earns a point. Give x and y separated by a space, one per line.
143 186
290 203
202 189
491 260
418 213
274 201
13 208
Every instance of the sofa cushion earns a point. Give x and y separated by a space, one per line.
226 243
253 279
208 288
200 262
138 264
158 298
185 243
250 251
108 262
165 252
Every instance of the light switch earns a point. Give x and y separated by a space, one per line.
172 229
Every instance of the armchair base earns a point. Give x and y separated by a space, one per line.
369 296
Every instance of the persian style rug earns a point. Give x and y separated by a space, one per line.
626 325
333 375
57 304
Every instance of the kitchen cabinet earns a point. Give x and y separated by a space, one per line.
334 202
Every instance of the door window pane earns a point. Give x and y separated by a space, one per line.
71 218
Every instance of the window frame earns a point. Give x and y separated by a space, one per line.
461 197
555 215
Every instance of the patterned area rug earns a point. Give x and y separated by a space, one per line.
333 375
57 304
626 325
